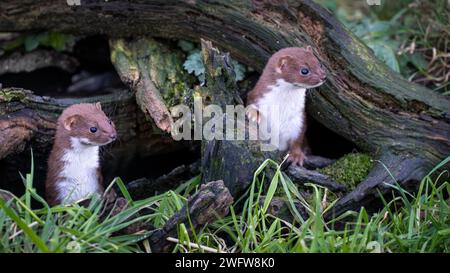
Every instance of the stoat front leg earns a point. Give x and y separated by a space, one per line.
297 154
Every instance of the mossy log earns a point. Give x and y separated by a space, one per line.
154 71
405 127
233 161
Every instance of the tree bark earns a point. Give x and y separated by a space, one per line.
301 176
145 187
405 126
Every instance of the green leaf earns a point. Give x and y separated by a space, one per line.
239 70
57 41
31 42
384 53
194 64
418 61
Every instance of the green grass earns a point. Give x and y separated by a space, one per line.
407 223
74 228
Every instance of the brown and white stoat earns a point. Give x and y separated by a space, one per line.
74 162
283 83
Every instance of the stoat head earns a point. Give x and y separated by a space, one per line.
88 123
298 66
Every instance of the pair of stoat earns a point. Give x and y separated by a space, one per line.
73 165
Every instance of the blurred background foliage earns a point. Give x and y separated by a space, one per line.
410 36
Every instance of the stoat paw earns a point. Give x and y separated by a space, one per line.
253 114
296 159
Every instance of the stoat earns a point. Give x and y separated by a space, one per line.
74 163
282 86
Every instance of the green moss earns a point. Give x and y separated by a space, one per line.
350 169
165 68
11 94
55 40
169 76
161 62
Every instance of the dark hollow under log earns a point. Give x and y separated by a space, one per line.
405 126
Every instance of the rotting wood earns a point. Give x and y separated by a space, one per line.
210 203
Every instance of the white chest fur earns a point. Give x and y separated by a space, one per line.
79 173
282 108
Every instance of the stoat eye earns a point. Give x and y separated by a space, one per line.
93 129
110 121
304 71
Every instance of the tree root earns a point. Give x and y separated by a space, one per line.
301 176
390 170
211 202
144 187
313 162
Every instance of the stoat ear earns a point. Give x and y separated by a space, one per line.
282 63
98 106
70 121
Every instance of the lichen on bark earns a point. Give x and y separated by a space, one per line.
162 62
12 94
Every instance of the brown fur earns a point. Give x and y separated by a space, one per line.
286 64
75 121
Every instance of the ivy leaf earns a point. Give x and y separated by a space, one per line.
58 41
239 70
194 64
31 42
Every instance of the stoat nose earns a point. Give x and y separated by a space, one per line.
113 136
323 77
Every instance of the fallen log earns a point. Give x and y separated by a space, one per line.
404 126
